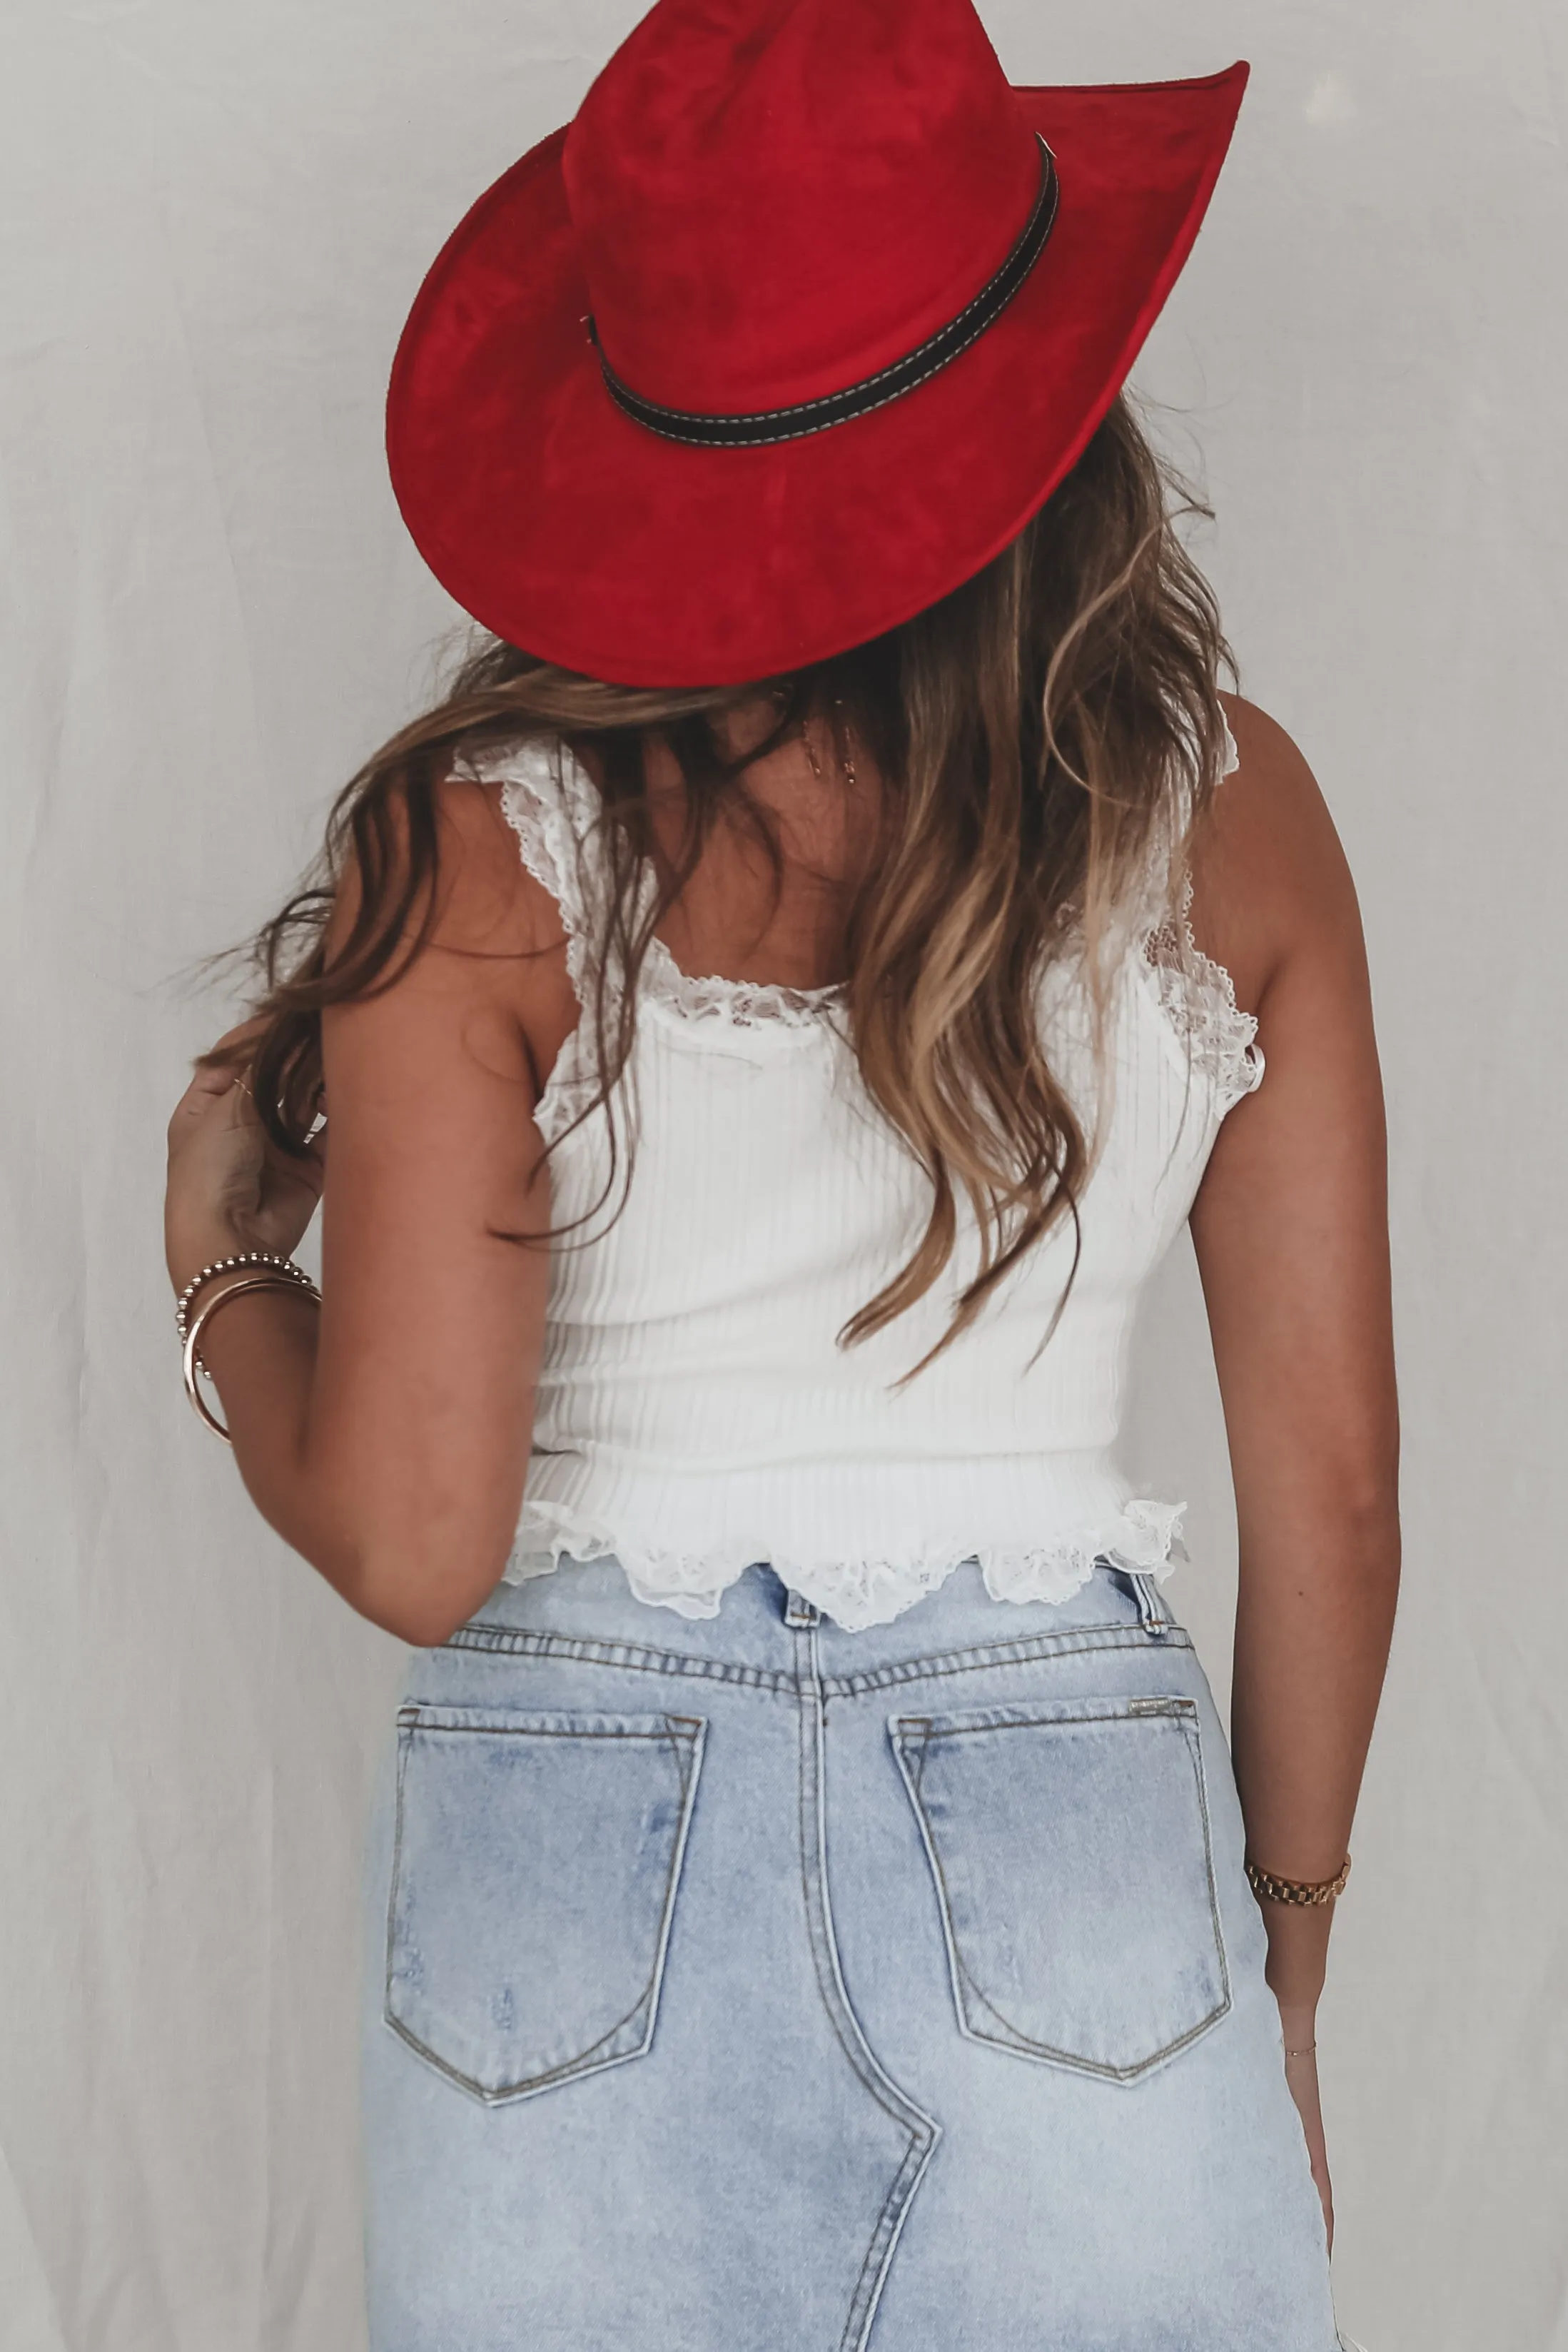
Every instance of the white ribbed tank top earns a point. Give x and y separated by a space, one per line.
695 1414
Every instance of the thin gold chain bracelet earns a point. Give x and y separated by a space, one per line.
1270 1888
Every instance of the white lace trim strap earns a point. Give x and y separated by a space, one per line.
1144 1536
551 805
1198 995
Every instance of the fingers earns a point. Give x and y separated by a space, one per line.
195 1105
212 1095
226 1063
222 1075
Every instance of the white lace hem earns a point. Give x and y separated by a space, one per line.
1144 1536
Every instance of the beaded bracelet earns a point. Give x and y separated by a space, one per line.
267 1271
1269 1889
267 1259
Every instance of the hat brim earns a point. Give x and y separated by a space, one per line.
567 529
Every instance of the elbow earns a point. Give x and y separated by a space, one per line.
1369 1535
424 1621
414 1591
1343 1533
1360 1511
415 1556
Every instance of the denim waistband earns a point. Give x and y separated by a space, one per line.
586 1609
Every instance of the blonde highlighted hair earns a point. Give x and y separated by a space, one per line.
1039 734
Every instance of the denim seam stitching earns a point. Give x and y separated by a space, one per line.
1172 1709
633 1658
1016 2039
421 1719
923 2131
585 2062
1026 2047
1194 1734
1029 1649
1024 1649
855 2064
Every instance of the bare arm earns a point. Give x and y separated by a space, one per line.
388 1441
1291 1235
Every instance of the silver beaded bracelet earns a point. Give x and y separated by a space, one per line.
267 1259
261 1270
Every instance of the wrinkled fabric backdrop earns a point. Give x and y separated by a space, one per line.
214 218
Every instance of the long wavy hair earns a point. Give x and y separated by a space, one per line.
1040 735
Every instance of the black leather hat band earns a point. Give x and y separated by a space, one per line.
753 430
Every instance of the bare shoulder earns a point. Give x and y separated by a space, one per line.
494 960
489 899
488 904
1270 883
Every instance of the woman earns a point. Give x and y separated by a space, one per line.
809 1902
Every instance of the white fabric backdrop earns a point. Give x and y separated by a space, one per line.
214 215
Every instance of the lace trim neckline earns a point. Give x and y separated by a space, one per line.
552 806
739 1003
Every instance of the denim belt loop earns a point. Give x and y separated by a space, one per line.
1152 1616
799 1612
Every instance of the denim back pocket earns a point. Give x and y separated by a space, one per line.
534 1877
1070 1844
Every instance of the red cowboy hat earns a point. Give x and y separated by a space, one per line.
786 335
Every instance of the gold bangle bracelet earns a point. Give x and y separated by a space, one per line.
192 1361
1270 1888
260 1261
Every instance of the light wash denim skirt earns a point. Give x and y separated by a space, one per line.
745 1985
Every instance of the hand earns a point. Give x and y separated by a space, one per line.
1301 2075
229 1189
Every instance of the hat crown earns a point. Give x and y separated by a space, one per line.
773 199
